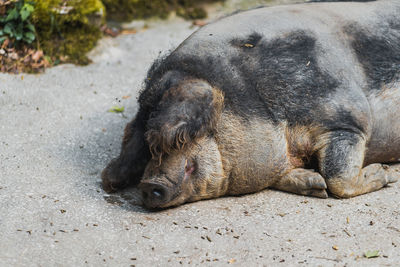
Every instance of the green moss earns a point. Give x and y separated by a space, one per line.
125 10
72 45
67 30
192 13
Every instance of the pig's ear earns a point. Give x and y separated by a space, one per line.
186 112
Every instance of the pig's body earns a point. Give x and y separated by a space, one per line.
271 92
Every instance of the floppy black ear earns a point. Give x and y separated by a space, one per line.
185 112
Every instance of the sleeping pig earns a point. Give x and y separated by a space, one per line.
302 98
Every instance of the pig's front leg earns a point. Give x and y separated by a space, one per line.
128 168
341 163
303 182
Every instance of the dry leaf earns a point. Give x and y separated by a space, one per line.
117 109
371 254
37 55
200 23
128 31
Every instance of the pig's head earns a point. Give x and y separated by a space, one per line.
189 174
186 164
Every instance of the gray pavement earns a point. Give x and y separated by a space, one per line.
56 136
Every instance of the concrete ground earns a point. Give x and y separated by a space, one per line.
56 135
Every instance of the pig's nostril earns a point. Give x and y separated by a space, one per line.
157 193
154 194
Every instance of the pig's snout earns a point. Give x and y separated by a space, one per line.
154 195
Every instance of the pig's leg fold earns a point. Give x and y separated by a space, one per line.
303 182
341 162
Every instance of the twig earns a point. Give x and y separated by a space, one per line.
323 258
347 232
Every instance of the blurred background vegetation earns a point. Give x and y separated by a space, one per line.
35 34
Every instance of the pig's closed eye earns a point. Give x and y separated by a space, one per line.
190 167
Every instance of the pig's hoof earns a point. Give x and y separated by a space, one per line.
393 177
111 180
317 193
312 180
391 174
312 184
372 178
379 175
303 182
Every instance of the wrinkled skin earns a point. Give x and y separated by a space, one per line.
184 176
304 100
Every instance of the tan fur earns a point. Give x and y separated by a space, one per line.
253 152
303 142
243 157
206 182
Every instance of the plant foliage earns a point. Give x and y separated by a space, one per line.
68 29
16 24
125 10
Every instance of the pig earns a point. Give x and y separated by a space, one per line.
302 98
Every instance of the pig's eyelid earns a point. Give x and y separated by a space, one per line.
191 168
